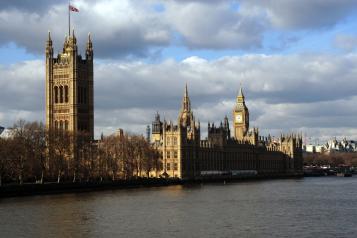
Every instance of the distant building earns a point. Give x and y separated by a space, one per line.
320 149
6 132
119 132
309 148
345 145
333 146
186 156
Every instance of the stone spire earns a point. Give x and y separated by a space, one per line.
89 48
240 97
89 42
226 123
49 47
74 37
240 104
186 104
185 116
49 40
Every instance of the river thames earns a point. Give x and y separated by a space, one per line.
310 207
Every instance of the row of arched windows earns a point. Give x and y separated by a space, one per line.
62 125
61 94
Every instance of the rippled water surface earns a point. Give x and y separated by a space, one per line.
310 207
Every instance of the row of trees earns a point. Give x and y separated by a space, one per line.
335 159
33 154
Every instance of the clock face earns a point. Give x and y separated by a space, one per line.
239 118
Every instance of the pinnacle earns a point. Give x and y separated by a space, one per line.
241 92
186 91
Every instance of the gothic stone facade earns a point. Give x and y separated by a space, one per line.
186 156
69 88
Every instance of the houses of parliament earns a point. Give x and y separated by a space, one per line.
69 87
183 154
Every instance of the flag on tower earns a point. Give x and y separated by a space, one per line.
73 9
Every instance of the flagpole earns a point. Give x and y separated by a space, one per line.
69 19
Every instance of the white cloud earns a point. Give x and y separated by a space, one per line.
283 92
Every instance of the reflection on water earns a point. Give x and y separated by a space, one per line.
311 207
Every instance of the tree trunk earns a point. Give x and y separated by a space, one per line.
21 179
42 175
59 177
74 177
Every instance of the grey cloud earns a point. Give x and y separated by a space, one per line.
132 28
324 85
119 28
38 6
304 14
346 42
22 86
214 26
282 92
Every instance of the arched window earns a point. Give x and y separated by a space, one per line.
66 125
56 94
61 125
61 94
56 124
66 93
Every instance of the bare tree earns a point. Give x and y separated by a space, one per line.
21 144
60 151
5 146
37 146
32 152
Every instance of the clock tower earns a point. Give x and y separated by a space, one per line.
240 117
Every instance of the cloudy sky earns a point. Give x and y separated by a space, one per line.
297 61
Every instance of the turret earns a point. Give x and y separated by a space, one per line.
185 117
70 44
148 133
186 104
89 48
226 127
49 47
74 37
226 123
